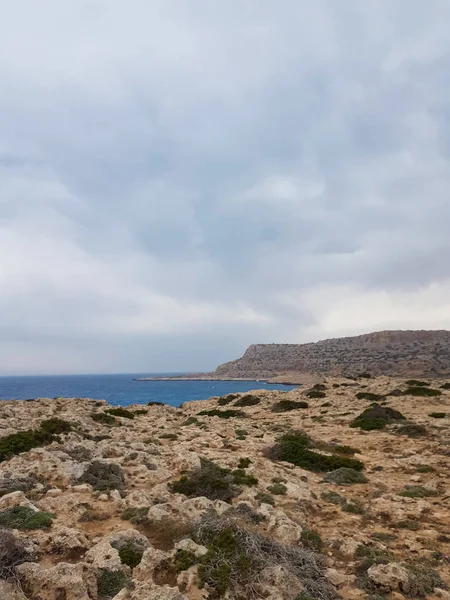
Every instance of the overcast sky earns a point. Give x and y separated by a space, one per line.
182 178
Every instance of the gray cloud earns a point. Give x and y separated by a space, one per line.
179 180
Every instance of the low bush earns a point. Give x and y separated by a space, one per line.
412 430
120 412
22 517
104 419
155 403
265 498
244 463
411 524
224 400
241 434
130 554
222 414
381 536
445 386
135 515
240 477
209 480
333 498
168 436
417 491
191 421
295 447
422 580
416 383
312 393
319 386
24 441
109 583
438 415
138 413
312 540
184 560
237 554
14 484
103 476
12 554
288 405
422 391
353 507
345 476
247 400
369 396
425 469
376 417
277 489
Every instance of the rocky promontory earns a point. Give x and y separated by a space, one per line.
339 489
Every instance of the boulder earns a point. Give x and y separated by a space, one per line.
16 499
391 577
64 580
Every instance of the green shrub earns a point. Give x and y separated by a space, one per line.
410 524
135 515
417 491
376 417
109 583
278 489
130 554
240 477
353 507
209 480
223 414
265 498
24 441
224 400
369 424
184 560
381 536
319 386
412 430
369 396
438 415
294 447
345 476
422 580
445 386
22 517
422 391
120 412
191 421
13 484
288 405
312 540
315 394
244 463
247 400
103 476
168 436
425 469
137 413
333 498
241 434
103 418
155 403
416 383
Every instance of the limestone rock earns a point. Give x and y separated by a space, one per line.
64 580
150 591
16 499
391 577
279 580
104 556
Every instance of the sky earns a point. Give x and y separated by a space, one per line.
180 179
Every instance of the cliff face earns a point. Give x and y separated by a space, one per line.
396 353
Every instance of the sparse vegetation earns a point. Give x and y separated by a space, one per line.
312 540
369 396
244 463
416 383
109 583
240 477
120 412
314 394
345 476
333 498
425 469
209 480
168 436
376 417
131 554
135 515
445 386
411 524
438 415
417 491
24 441
295 447
103 476
288 405
247 400
422 580
22 517
277 489
265 498
104 419
223 414
422 391
353 507
412 430
12 554
224 400
14 484
191 421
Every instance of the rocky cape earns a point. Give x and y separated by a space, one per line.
266 495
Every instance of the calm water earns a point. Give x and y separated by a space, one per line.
122 389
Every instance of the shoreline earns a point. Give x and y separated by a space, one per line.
186 378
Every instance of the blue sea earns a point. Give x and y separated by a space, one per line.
123 389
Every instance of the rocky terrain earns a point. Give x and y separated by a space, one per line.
340 489
394 353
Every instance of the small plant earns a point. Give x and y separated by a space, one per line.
438 415
240 477
381 536
312 540
168 436
138 413
222 414
22 517
425 469
135 515
103 418
184 560
241 434
55 426
412 430
120 412
130 554
410 524
244 463
333 498
422 391
315 394
295 447
224 400
103 476
369 396
265 498
423 580
109 583
247 400
445 386
376 417
345 476
353 507
417 491
13 484
191 421
24 441
155 403
277 489
288 405
209 480
416 383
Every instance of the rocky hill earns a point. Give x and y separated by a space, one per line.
394 353
310 494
